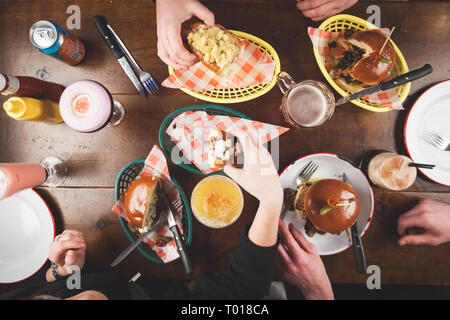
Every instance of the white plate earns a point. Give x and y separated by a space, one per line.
26 231
431 112
331 167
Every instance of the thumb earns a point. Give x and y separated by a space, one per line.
233 172
202 12
70 257
416 239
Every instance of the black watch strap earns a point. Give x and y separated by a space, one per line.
55 273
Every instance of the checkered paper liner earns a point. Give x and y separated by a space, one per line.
161 240
190 132
321 39
252 67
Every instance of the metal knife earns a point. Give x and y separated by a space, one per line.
129 249
383 86
357 244
125 253
108 37
177 234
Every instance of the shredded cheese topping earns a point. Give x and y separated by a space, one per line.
216 45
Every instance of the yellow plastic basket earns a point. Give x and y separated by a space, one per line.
345 21
240 94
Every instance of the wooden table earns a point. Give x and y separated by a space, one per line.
84 202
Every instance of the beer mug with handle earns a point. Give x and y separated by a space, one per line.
307 104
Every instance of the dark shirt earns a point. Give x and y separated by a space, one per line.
247 276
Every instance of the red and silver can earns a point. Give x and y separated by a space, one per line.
52 39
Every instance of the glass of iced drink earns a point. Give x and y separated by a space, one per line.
391 171
308 104
15 177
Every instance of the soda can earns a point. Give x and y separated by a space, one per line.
50 38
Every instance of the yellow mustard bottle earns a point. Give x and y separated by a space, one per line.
30 109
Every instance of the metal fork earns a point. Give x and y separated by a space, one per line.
306 173
439 142
177 203
147 80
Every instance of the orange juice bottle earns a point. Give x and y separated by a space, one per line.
30 109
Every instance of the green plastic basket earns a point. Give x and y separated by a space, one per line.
125 177
167 144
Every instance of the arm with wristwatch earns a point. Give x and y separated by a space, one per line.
68 250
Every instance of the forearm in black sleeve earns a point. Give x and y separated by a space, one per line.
248 275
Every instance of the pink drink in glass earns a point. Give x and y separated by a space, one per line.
87 106
15 177
392 171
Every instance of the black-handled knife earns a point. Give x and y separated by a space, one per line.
179 241
110 40
360 257
105 33
407 77
382 86
358 249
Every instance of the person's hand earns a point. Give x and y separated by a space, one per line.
68 249
318 10
431 218
300 265
170 14
259 177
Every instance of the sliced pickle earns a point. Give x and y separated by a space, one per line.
325 209
310 182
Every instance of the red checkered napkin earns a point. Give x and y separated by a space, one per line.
161 240
190 132
251 68
320 40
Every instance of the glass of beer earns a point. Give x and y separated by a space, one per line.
391 171
308 104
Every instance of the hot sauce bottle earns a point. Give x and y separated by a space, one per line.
30 87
